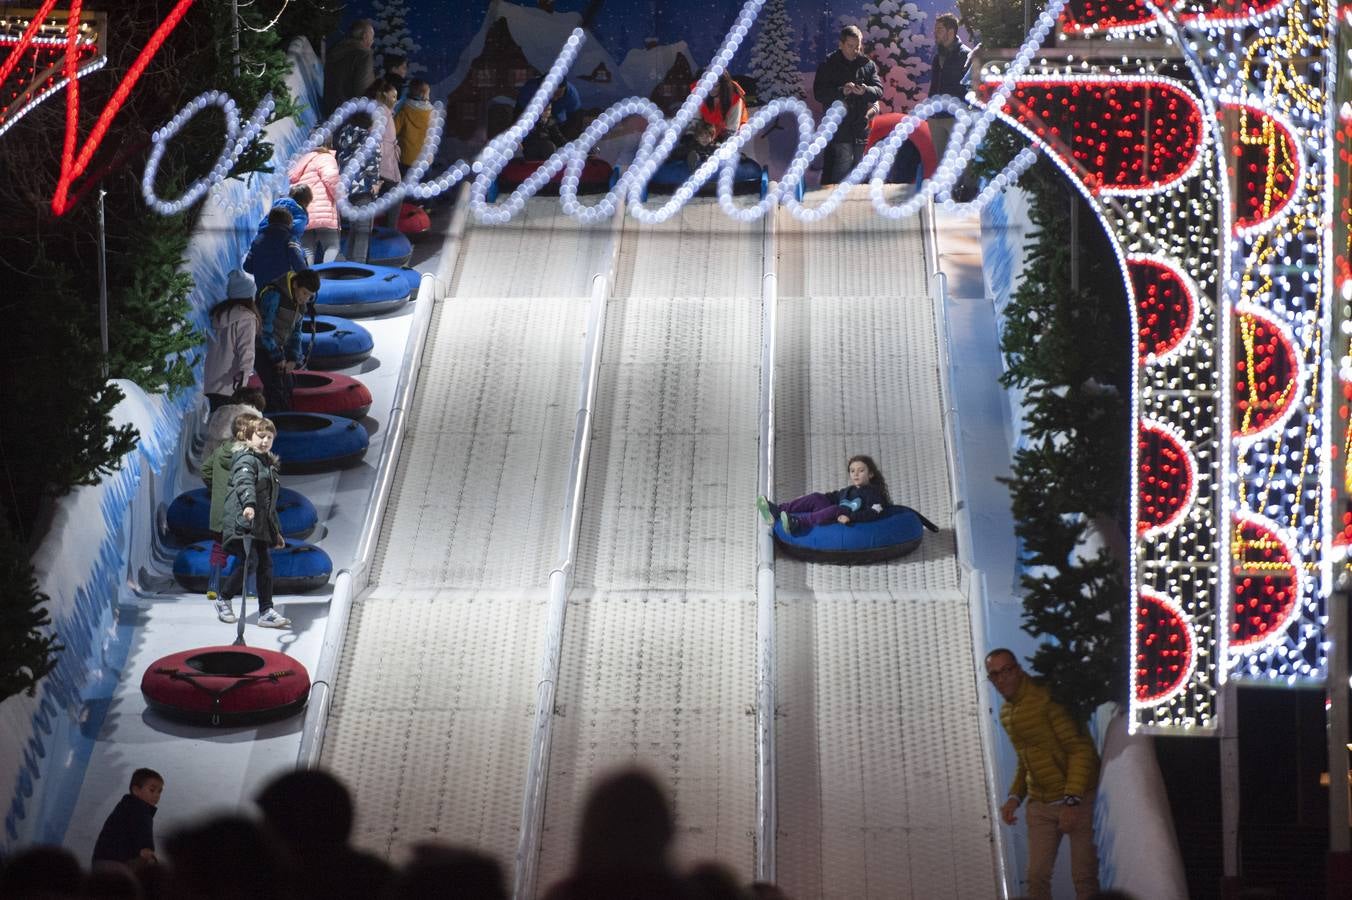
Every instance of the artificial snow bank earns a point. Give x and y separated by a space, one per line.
92 563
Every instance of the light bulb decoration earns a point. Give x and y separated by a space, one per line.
236 141
1141 148
1166 658
74 164
1276 112
1253 360
1268 374
659 137
1132 18
1166 480
1266 593
34 68
1166 307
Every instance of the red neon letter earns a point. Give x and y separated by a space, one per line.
73 167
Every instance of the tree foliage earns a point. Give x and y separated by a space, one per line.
1066 348
392 34
56 431
774 59
27 649
892 38
998 24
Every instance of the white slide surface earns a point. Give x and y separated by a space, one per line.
431 715
880 777
658 657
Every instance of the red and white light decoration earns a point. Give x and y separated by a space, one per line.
32 58
1216 193
1211 166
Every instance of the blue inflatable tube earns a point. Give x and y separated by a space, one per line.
335 343
896 533
751 178
298 568
413 278
317 442
188 517
388 246
357 289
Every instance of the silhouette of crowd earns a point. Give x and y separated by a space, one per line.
299 847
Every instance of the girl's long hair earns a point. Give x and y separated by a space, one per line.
722 95
875 477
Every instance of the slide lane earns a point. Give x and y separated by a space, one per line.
658 655
432 709
880 782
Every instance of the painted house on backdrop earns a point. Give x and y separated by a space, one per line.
661 72
514 45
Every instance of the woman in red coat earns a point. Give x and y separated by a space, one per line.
725 107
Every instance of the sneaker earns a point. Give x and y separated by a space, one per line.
270 618
788 522
224 611
769 512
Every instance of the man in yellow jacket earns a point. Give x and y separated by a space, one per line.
1057 772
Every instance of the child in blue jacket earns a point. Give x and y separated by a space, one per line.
275 251
297 203
863 500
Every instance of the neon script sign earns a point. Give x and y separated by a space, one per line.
656 142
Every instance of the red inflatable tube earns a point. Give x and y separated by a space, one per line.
327 392
226 685
413 219
595 172
924 145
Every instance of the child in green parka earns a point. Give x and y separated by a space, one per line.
222 428
250 529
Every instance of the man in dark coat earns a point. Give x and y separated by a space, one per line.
949 74
349 68
849 76
128 835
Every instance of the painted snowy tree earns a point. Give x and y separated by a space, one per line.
774 61
392 34
893 40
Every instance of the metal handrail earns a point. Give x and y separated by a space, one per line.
353 579
767 812
962 527
560 578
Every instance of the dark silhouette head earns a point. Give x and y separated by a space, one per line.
626 826
112 882
225 858
713 881
308 807
41 873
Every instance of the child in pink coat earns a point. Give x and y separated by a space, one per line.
318 170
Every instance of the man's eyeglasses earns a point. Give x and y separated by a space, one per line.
993 674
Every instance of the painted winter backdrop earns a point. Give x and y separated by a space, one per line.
636 42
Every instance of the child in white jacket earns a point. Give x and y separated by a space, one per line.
230 347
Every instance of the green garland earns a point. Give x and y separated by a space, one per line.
1067 349
55 429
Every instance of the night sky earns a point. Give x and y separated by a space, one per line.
624 24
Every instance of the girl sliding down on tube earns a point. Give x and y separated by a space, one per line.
863 501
